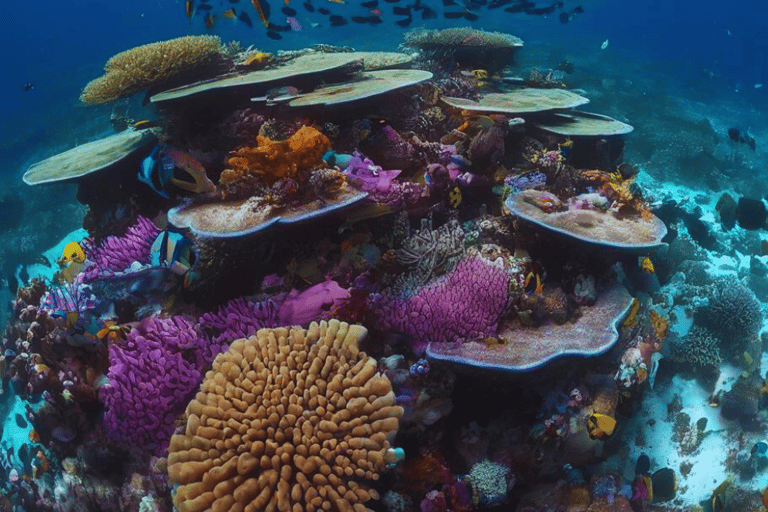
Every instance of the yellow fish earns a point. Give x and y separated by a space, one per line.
480 74
454 197
72 252
646 265
600 426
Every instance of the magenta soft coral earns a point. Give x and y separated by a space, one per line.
116 254
465 304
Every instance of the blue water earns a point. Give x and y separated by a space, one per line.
60 46
711 52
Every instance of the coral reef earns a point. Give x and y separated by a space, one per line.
116 254
272 160
733 313
152 374
698 347
466 303
288 419
151 65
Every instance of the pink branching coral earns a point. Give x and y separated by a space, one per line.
116 254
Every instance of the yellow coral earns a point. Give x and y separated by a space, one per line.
150 65
273 160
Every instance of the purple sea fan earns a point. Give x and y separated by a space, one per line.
69 297
116 254
237 319
152 375
464 304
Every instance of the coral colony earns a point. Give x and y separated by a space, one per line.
310 275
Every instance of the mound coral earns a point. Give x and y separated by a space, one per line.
272 160
698 347
151 65
286 420
464 304
733 313
116 254
151 377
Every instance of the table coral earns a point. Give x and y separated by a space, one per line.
466 303
286 420
272 160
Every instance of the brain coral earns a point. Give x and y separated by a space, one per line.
286 420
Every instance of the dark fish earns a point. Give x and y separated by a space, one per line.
578 9
323 11
309 7
370 4
404 22
428 14
273 35
234 1
204 7
288 11
371 20
495 4
475 4
20 421
453 15
742 136
391 1
27 87
449 3
278 28
245 19
542 11
337 21
470 16
401 11
516 8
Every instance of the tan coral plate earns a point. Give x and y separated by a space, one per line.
248 217
524 349
603 228
88 158
583 124
520 101
372 83
300 66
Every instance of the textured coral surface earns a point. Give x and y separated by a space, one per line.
288 420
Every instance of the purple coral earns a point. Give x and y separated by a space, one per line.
236 319
465 304
152 375
116 254
73 297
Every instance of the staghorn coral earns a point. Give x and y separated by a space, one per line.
699 347
271 160
286 420
151 65
733 313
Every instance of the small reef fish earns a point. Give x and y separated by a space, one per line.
294 23
189 9
209 19
646 265
72 252
604 45
288 11
156 172
742 137
243 16
230 14
172 250
454 197
263 11
27 87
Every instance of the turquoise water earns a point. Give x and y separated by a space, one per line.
555 320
